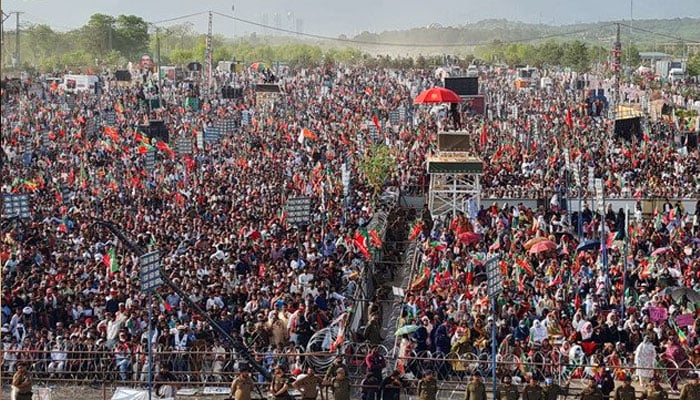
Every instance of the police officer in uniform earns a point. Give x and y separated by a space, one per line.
552 390
533 391
475 389
427 387
625 391
507 391
655 392
691 390
591 392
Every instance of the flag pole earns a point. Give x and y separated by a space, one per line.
150 345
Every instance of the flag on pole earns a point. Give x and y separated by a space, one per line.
110 261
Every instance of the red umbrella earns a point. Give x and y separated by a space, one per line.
544 245
469 238
437 95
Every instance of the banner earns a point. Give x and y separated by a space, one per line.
684 320
657 314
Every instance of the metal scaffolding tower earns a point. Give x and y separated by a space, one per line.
208 56
455 176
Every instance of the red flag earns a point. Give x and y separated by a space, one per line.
375 119
569 120
369 90
483 138
164 147
556 281
416 231
375 240
112 133
524 265
308 134
360 242
344 139
577 301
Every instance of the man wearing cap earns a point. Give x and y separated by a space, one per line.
242 386
476 389
625 391
507 391
427 387
655 391
691 390
533 391
591 391
21 384
308 385
551 389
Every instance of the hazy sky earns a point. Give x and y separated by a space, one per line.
330 17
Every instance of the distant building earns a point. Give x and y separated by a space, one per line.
650 58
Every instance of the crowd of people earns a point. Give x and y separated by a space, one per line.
71 298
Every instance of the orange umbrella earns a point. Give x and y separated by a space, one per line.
542 246
533 241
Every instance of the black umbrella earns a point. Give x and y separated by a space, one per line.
678 293
588 245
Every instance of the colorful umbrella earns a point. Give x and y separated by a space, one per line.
406 330
659 251
545 245
258 65
437 95
588 245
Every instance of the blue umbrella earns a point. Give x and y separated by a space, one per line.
588 245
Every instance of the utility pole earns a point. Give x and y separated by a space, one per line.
17 13
616 67
208 56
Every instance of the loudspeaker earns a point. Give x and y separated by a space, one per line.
463 86
156 129
228 92
194 66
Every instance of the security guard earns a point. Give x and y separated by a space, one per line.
427 387
551 390
591 392
507 391
533 391
309 385
625 391
691 390
655 392
475 389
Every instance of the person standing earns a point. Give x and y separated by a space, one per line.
21 384
552 390
691 390
242 386
475 389
165 382
341 386
308 385
591 392
370 387
391 386
279 387
507 391
626 391
655 392
427 387
375 363
533 391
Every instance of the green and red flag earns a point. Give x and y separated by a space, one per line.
110 261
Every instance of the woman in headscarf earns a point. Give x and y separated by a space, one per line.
538 332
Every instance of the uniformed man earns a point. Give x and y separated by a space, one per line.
552 390
533 391
655 391
427 387
691 390
507 391
591 392
332 371
475 389
625 391
242 386
309 385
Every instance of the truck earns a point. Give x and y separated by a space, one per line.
676 75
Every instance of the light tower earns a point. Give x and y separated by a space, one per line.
455 176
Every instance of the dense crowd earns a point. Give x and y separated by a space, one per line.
70 287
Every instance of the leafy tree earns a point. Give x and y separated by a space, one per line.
630 56
694 65
131 36
576 56
98 35
377 166
550 53
42 40
221 54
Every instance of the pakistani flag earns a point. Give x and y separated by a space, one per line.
110 261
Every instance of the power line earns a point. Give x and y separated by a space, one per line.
666 35
366 42
163 21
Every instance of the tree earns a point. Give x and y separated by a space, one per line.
131 36
377 166
694 65
181 56
576 56
97 36
551 53
630 56
42 40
